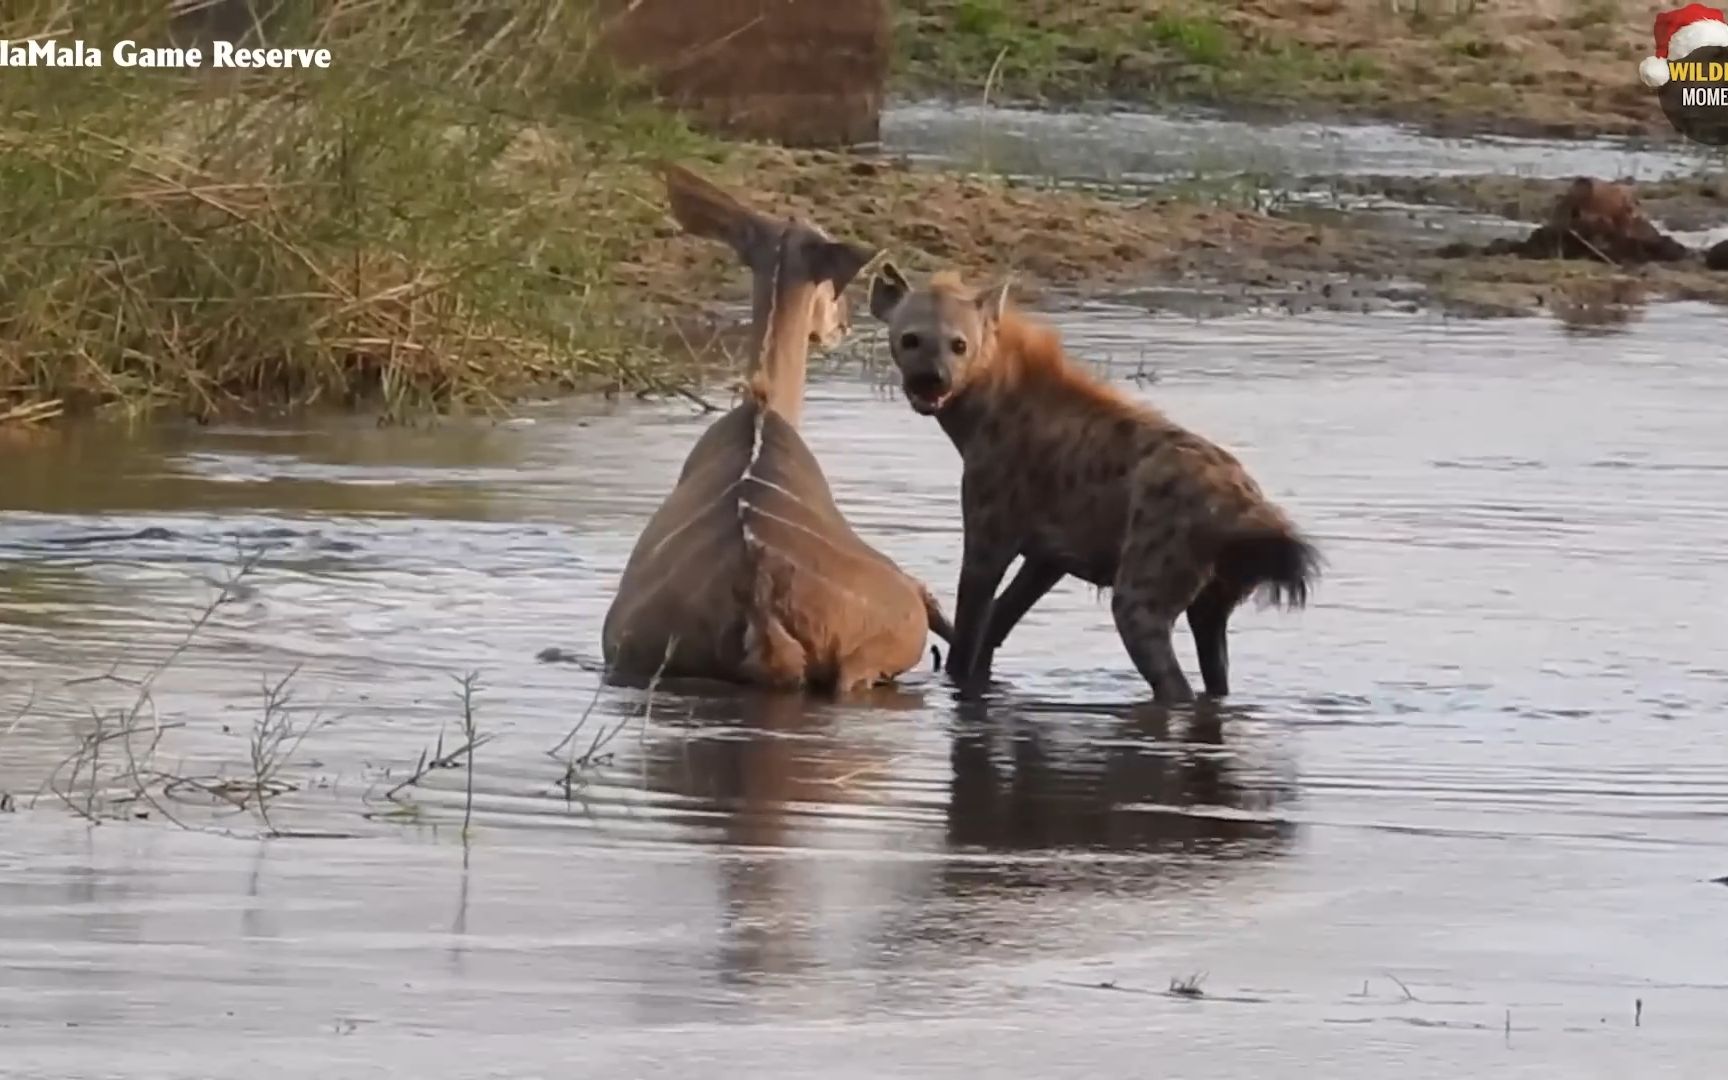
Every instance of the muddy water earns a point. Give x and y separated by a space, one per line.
1461 815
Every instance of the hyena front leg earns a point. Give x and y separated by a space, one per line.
1030 583
986 559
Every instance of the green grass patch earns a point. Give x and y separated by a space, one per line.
1056 55
429 222
1195 39
961 42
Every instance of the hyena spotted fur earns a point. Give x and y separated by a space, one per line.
1074 477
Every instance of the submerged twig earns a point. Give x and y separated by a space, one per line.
436 757
273 742
1408 996
576 765
139 717
469 683
599 685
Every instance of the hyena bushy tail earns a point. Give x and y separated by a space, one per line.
1275 561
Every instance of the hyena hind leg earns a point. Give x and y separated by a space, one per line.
1146 607
1209 621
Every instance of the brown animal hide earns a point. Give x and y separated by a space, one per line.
749 572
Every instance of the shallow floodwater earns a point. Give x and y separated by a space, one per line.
1461 816
1141 147
1294 164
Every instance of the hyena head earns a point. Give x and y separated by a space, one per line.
941 336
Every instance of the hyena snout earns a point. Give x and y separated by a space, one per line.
926 389
926 373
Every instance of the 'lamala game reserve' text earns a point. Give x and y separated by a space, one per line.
130 54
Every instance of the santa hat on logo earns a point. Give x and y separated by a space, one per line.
1678 33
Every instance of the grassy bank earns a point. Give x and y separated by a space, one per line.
461 209
431 220
1518 65
454 213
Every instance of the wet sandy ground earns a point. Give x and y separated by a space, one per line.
1462 815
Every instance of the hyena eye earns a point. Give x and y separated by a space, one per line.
958 345
908 341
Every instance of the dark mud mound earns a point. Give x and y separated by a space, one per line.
1595 220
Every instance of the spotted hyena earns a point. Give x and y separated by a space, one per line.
1074 477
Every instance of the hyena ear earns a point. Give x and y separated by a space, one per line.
993 303
887 289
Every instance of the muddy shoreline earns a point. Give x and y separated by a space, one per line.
1200 251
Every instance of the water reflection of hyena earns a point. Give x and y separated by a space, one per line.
1149 785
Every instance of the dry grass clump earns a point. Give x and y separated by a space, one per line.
429 221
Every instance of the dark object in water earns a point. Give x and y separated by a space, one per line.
1717 259
552 654
152 532
1594 219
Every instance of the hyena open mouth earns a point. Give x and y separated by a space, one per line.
926 393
